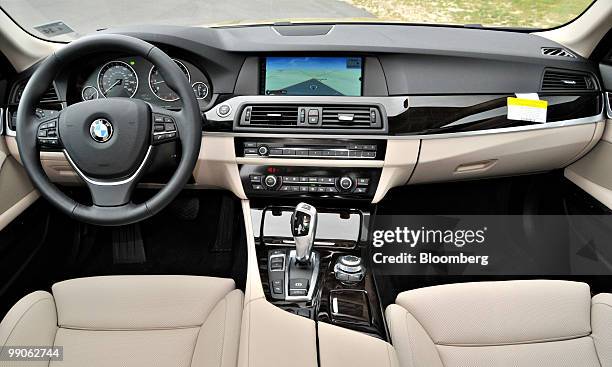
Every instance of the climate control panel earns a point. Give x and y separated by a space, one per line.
308 181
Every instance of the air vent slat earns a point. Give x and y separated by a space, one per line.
349 117
273 115
49 96
560 80
557 51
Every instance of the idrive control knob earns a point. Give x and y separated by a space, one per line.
349 269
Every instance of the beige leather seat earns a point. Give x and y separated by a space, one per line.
147 321
514 323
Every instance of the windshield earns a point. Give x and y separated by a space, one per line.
65 20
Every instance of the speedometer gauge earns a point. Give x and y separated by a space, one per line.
117 79
158 84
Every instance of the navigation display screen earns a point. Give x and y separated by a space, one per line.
313 76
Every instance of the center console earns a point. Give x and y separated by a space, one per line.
312 264
300 178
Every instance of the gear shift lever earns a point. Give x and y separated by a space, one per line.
303 228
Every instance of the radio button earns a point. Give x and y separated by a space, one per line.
263 150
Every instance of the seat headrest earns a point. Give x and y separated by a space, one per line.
138 302
497 313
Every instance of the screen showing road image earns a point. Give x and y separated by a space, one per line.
313 76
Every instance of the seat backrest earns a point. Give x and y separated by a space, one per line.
512 323
147 320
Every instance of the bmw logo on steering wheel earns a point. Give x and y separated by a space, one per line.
101 130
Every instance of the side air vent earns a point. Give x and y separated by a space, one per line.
557 51
558 80
350 117
271 115
49 96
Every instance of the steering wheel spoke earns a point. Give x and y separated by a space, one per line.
110 193
165 128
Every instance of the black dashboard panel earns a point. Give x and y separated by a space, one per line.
415 59
451 114
452 79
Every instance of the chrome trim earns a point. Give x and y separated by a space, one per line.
393 105
151 87
1 120
7 118
101 90
109 183
296 156
207 90
313 278
274 256
608 102
92 87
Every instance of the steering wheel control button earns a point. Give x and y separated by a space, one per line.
224 110
101 130
164 129
47 134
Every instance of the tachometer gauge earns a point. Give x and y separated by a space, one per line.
88 93
200 89
158 84
117 79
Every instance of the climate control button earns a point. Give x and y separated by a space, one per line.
345 183
270 181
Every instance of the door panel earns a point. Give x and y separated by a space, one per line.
593 172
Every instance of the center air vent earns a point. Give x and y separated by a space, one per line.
350 117
50 94
561 80
329 117
557 51
271 115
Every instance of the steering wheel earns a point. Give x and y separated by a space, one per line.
109 141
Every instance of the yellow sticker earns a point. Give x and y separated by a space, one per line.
535 103
526 109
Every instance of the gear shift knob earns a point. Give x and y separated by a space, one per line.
303 228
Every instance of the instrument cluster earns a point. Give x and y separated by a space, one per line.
136 77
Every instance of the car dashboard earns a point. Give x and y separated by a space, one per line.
347 111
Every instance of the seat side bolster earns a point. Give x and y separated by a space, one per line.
601 324
30 322
219 337
413 345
